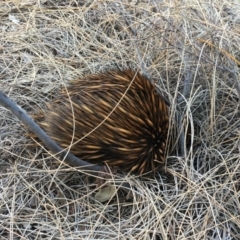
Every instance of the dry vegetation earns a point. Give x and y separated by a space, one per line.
188 48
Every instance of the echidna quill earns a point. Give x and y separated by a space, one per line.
116 118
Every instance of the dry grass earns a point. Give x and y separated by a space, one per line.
186 47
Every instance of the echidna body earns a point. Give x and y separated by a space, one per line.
116 117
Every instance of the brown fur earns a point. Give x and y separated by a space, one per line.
132 137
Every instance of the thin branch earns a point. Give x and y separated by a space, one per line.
46 140
62 154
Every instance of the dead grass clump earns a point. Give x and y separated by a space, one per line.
191 50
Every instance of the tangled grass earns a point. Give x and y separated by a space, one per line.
191 50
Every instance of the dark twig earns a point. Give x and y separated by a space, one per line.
62 154
53 147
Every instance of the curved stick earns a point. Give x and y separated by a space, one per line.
46 140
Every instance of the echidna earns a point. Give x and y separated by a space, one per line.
116 117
